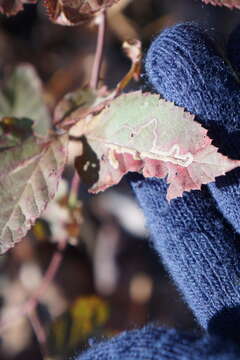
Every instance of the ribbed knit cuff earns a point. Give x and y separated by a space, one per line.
153 343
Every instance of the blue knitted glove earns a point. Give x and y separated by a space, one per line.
196 235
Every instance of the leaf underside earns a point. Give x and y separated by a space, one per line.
229 3
140 132
29 175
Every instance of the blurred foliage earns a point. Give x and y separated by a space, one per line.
110 278
86 318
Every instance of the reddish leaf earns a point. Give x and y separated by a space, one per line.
75 12
229 3
29 175
12 7
140 132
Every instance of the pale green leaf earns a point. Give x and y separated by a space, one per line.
140 132
23 98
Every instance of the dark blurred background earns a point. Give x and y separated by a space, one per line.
110 279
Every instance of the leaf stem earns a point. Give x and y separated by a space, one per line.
99 50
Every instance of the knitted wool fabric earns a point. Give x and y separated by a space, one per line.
153 343
198 245
196 77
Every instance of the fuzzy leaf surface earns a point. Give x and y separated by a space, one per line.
29 175
140 132
229 3
23 98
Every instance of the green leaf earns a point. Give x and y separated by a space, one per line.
140 132
23 98
87 317
29 175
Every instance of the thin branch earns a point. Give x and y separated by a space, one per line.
30 305
99 50
48 277
40 333
73 195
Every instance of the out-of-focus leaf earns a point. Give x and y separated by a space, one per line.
23 98
12 7
13 131
79 104
87 317
75 12
80 101
229 3
29 175
64 219
140 132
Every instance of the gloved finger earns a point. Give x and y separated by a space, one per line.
196 245
233 49
156 343
183 65
195 242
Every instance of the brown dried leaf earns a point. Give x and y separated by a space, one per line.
75 12
133 49
12 7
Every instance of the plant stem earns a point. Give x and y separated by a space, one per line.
39 332
99 50
73 195
48 277
30 305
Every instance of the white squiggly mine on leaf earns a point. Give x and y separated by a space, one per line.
143 133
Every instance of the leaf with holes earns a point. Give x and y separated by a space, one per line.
75 12
229 3
22 98
29 175
12 7
140 132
